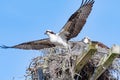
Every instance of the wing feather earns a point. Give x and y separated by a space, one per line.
33 45
101 44
77 20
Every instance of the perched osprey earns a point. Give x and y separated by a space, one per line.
70 30
86 40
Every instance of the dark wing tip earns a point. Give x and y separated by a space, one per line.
5 47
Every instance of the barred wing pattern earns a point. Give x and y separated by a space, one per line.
77 20
73 27
35 45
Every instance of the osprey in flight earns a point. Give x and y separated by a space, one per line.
70 30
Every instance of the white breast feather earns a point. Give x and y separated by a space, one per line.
56 39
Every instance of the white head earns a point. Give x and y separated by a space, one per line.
86 40
49 32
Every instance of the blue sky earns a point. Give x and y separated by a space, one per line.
27 20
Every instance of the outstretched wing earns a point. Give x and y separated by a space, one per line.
76 22
33 45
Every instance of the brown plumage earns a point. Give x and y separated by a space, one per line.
33 45
71 29
101 44
76 22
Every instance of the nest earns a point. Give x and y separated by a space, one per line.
58 64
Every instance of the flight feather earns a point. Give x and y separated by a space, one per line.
77 20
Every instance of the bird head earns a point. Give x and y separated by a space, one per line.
86 40
49 32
